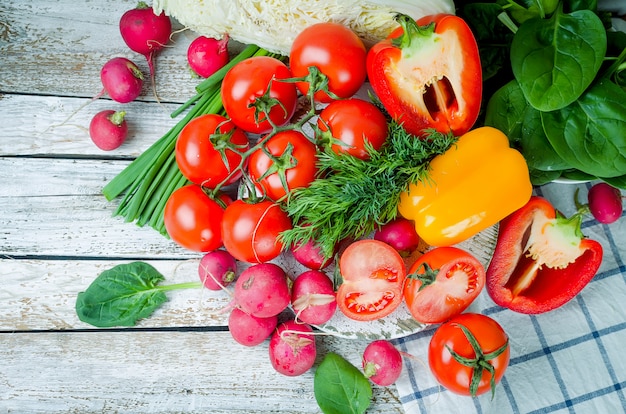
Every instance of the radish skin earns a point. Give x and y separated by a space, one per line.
206 55
108 129
292 348
121 79
145 32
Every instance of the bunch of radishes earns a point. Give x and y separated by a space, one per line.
145 33
270 304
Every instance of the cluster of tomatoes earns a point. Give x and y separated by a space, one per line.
260 96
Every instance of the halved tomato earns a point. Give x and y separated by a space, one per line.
442 283
373 274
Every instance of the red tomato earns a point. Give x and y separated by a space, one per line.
452 281
352 122
373 273
249 80
202 146
293 158
250 231
193 220
493 350
337 52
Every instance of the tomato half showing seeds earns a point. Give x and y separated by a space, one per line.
469 354
287 161
208 150
373 274
250 230
346 125
193 219
252 89
337 52
442 283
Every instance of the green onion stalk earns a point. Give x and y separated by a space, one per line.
147 182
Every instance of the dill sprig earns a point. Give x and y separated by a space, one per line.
352 197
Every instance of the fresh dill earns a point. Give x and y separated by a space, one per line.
352 197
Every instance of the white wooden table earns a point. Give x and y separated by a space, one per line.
57 234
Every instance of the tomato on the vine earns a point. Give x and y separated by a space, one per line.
250 230
345 125
193 219
286 161
252 92
337 52
208 150
464 366
442 283
373 273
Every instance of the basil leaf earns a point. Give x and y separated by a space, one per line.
556 59
121 295
340 388
590 134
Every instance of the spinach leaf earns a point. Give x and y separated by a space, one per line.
505 111
536 147
590 134
509 111
122 295
340 388
619 182
556 59
538 177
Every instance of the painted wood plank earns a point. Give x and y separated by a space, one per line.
158 372
51 42
59 126
39 294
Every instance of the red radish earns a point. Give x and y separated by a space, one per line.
217 269
262 290
108 129
292 348
249 330
206 55
399 234
605 203
310 255
313 297
382 362
121 79
145 33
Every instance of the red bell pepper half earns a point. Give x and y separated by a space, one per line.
427 74
541 260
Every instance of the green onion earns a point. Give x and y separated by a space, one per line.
149 180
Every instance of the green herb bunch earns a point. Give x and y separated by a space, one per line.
351 197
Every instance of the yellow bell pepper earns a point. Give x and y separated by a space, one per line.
473 185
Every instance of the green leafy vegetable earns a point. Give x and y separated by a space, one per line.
340 388
590 133
552 66
352 197
122 295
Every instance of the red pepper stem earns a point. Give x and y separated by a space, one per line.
411 31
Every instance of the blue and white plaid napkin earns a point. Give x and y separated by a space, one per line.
570 360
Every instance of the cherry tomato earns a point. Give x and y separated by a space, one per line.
250 231
442 283
249 80
289 156
373 273
203 146
193 220
337 52
493 350
352 122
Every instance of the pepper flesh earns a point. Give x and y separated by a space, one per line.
427 74
476 183
541 260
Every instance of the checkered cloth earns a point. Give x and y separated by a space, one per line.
569 360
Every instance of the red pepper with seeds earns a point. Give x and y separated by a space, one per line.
541 260
427 74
